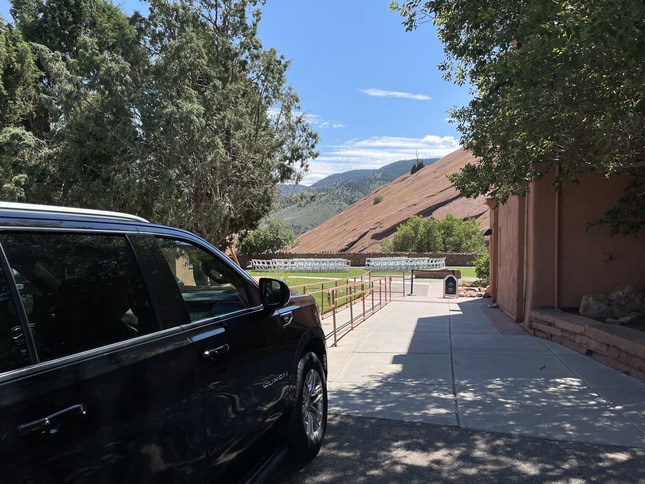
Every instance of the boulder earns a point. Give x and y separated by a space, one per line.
622 301
597 307
626 299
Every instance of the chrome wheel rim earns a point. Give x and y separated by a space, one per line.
313 405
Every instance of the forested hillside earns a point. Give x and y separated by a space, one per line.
308 208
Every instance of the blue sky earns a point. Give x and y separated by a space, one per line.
371 90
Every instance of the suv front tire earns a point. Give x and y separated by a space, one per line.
308 419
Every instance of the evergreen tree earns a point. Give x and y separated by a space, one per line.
180 116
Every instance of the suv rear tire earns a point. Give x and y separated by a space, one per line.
308 419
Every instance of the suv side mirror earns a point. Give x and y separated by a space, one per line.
275 293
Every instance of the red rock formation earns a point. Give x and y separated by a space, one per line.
362 226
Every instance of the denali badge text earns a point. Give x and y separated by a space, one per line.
275 380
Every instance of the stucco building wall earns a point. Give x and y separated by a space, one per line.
591 261
507 253
543 255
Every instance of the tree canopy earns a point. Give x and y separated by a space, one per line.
271 237
554 83
451 234
181 115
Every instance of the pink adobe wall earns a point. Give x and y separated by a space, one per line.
507 256
590 260
540 246
585 261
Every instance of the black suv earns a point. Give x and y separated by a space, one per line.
133 352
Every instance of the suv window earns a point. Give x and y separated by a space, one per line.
80 291
13 349
208 285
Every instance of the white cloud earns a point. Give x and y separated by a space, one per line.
397 94
320 123
376 152
314 119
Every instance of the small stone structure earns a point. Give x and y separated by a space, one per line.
437 273
450 286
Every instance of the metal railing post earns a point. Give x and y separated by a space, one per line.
333 299
351 306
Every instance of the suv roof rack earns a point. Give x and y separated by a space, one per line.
30 207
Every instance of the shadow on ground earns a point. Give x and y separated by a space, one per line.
360 449
421 399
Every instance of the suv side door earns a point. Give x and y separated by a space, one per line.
93 390
241 347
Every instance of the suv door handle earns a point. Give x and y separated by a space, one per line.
212 353
52 424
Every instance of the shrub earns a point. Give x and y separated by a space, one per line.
275 236
482 268
378 199
416 167
451 234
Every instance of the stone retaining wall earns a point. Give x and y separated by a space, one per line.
616 346
358 260
437 273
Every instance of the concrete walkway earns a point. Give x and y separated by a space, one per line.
458 362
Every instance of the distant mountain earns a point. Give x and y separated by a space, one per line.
308 207
427 193
288 190
344 176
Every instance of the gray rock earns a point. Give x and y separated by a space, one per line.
627 298
613 321
597 307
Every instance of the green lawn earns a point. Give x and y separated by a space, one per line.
297 278
465 271
321 281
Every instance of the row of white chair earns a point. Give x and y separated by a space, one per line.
404 263
301 265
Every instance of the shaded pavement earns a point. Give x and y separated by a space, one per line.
371 450
433 389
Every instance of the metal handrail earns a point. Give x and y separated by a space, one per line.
372 293
307 289
367 287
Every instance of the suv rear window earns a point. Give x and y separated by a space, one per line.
80 291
